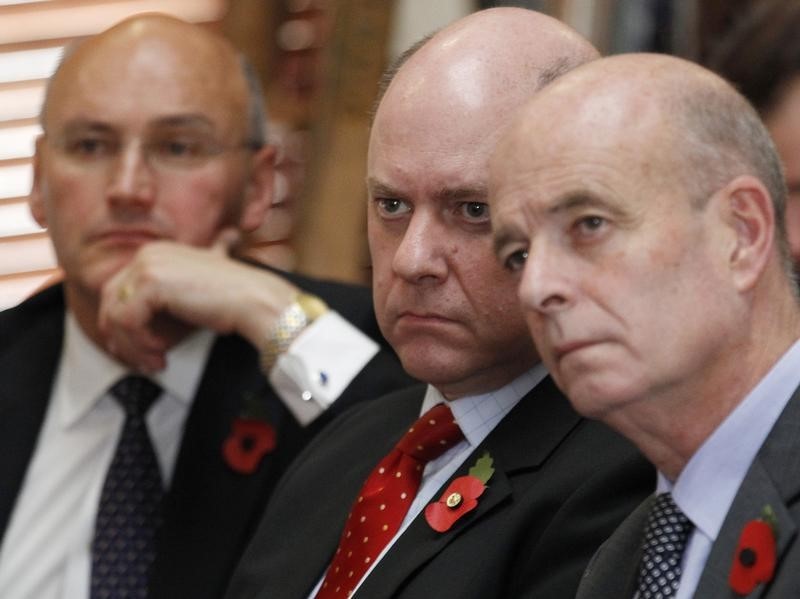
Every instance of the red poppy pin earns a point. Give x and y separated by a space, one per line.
754 559
461 496
250 439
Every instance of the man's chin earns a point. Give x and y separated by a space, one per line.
432 368
597 398
92 279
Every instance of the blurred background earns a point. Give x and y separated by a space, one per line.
319 61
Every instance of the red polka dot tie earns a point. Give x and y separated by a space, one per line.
129 512
385 498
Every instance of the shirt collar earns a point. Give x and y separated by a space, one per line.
86 372
477 415
706 487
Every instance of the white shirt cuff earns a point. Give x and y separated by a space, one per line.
320 364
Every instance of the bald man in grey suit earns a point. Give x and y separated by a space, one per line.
647 231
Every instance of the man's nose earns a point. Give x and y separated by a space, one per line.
547 283
421 255
132 181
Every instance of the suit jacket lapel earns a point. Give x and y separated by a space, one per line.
516 444
420 543
758 492
211 510
773 481
28 364
614 569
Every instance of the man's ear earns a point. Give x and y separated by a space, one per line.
751 215
36 196
260 189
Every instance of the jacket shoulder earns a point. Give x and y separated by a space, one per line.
19 319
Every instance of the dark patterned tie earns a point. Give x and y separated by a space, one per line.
129 512
385 498
665 539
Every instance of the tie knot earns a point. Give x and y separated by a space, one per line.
667 527
135 394
434 433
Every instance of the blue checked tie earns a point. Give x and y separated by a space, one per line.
665 537
129 512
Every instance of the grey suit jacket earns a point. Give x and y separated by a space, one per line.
773 479
561 485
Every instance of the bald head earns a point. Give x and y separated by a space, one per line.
465 83
703 128
500 54
160 46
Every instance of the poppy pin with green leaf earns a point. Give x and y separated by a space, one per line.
461 496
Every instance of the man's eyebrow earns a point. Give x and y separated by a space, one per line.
181 120
574 200
185 120
582 199
476 193
83 124
376 188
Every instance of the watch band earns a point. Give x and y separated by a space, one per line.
304 310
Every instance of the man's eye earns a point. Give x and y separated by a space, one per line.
591 223
516 260
392 207
475 211
589 228
179 148
88 147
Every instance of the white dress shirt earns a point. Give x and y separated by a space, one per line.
707 486
476 416
45 553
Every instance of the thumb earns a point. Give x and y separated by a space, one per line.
226 241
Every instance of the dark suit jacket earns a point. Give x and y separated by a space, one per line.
772 480
211 511
561 485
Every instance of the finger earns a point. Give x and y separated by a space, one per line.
110 296
123 320
123 305
142 350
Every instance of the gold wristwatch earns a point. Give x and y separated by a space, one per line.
304 310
